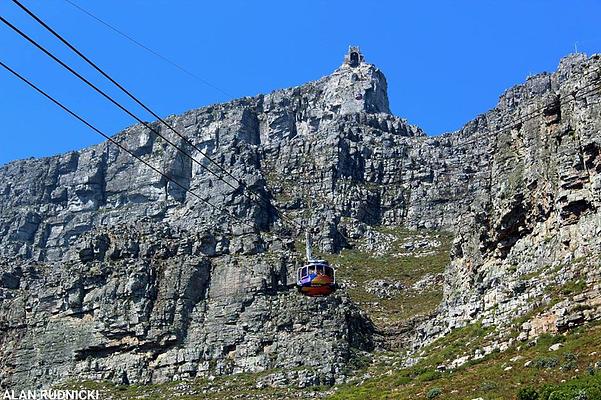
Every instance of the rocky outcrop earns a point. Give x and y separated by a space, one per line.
110 271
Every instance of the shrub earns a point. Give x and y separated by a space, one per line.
433 393
429 376
570 362
547 340
586 387
527 393
545 362
402 380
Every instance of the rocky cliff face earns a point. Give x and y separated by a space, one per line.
109 271
530 239
539 222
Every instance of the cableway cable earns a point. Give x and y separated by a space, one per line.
145 124
148 49
116 143
145 107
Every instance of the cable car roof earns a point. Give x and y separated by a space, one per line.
317 262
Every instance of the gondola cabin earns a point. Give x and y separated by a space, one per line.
317 278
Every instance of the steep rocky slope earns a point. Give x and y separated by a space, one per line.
537 225
110 272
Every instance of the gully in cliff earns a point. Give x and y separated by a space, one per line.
317 278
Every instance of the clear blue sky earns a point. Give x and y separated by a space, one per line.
445 61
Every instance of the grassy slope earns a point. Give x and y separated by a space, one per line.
358 267
497 376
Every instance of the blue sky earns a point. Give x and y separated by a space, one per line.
445 61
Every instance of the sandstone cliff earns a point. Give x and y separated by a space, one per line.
110 272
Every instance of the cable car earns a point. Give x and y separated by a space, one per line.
317 278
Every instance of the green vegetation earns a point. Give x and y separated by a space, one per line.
573 287
521 371
570 288
358 267
545 362
433 393
586 387
527 393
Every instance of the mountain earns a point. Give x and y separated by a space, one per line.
111 272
